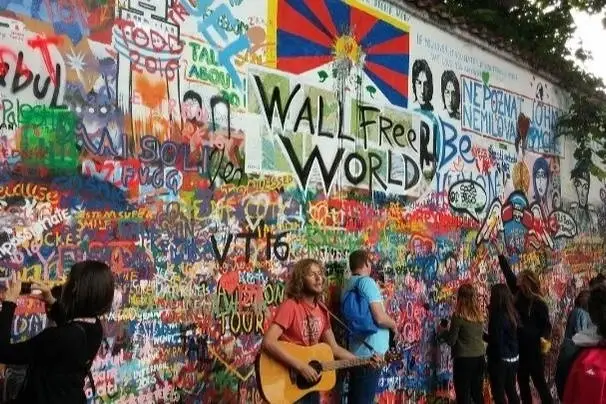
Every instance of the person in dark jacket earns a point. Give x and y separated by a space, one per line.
59 358
535 327
502 351
578 319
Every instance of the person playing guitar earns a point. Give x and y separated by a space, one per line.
303 320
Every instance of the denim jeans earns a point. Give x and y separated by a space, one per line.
311 398
363 383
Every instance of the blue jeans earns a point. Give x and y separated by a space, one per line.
310 398
363 383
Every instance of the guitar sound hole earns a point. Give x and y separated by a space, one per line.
302 383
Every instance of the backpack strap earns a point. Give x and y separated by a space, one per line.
89 362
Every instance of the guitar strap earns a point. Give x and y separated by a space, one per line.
346 328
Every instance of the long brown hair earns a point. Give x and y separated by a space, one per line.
295 286
530 285
468 304
501 301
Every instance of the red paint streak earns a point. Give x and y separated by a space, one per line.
177 10
249 295
438 220
43 43
4 69
29 306
106 169
229 281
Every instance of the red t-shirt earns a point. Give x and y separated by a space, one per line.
302 324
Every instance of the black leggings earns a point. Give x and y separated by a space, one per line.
533 366
502 377
468 378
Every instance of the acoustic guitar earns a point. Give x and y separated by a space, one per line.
280 385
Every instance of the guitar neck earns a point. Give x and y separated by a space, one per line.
345 363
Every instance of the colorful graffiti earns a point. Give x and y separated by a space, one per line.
200 148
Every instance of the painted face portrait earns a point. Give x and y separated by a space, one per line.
451 93
541 182
422 87
582 187
422 84
556 201
191 109
450 101
541 175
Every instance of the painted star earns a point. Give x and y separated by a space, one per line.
76 62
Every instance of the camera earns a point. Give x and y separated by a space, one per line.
56 291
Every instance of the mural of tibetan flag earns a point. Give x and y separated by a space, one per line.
312 33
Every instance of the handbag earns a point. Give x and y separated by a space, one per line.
14 380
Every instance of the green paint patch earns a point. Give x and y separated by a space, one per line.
48 138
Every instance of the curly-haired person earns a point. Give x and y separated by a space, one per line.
301 319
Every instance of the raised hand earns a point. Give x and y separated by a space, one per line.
13 288
45 292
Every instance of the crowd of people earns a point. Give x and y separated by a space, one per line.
508 344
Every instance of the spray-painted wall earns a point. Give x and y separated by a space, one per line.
202 148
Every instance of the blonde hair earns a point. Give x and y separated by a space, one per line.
295 286
468 304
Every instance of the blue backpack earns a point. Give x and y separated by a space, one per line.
355 309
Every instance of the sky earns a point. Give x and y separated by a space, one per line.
591 31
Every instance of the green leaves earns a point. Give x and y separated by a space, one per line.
541 30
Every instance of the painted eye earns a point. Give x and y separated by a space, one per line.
103 110
91 110
78 109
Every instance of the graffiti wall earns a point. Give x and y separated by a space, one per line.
201 148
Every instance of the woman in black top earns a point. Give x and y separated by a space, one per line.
502 351
59 358
534 325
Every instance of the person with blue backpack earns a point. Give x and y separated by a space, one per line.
363 311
